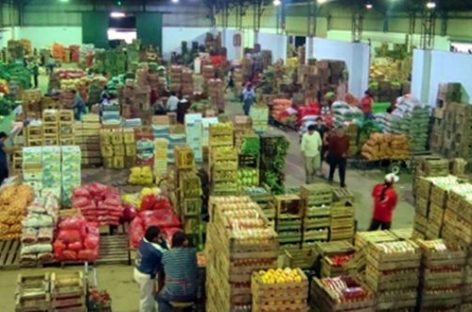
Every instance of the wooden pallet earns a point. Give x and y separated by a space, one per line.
10 254
113 249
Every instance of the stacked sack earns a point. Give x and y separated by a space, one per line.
13 203
135 199
410 117
386 146
76 240
38 229
98 203
141 176
345 113
159 213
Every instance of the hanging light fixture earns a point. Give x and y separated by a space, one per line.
369 6
277 2
431 5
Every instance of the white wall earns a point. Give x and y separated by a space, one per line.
377 38
173 36
432 68
8 33
44 36
276 43
355 55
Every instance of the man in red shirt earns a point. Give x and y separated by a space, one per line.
366 104
385 200
338 147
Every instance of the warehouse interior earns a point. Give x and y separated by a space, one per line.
271 97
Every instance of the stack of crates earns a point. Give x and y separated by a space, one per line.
35 134
87 136
66 127
317 200
51 127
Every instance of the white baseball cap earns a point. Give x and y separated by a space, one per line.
392 178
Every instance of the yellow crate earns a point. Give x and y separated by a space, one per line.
118 162
128 136
107 150
119 150
108 162
130 149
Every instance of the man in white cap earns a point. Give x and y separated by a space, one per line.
385 200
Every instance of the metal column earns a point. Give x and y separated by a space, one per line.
428 29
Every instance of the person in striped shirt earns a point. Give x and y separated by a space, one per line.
181 274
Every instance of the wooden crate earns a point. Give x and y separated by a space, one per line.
67 285
113 249
10 254
288 204
363 239
263 293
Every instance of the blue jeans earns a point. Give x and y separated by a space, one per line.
164 299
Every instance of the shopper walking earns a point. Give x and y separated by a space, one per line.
3 157
79 105
181 276
366 105
322 129
148 265
249 97
35 73
385 199
338 147
311 149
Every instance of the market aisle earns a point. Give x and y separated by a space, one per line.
358 182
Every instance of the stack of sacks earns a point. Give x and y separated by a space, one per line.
13 203
141 176
216 92
98 203
345 113
38 229
76 240
52 171
71 173
279 107
162 216
385 147
410 117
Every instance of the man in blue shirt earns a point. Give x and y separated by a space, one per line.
79 105
181 275
148 265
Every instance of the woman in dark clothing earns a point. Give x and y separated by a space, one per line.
3 157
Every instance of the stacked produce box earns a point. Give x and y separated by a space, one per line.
280 289
442 275
343 293
193 134
35 134
87 136
274 149
71 174
223 159
38 229
317 200
118 148
392 273
175 78
249 162
187 82
289 219
51 127
333 255
33 167
216 92
260 118
239 242
190 201
14 200
342 215
242 129
263 198
411 118
142 149
432 202
66 127
160 157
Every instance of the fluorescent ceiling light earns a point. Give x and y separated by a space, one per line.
117 14
369 6
175 1
63 0
277 2
322 1
431 5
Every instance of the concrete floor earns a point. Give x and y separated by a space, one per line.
117 279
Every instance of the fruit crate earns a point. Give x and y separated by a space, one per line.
67 285
363 239
288 204
342 196
263 293
318 194
32 293
183 155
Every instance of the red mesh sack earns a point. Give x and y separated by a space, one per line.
76 246
69 255
162 203
69 236
136 232
81 192
166 218
169 233
112 201
129 213
97 190
72 223
148 202
78 202
59 246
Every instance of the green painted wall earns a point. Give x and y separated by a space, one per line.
149 28
94 28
